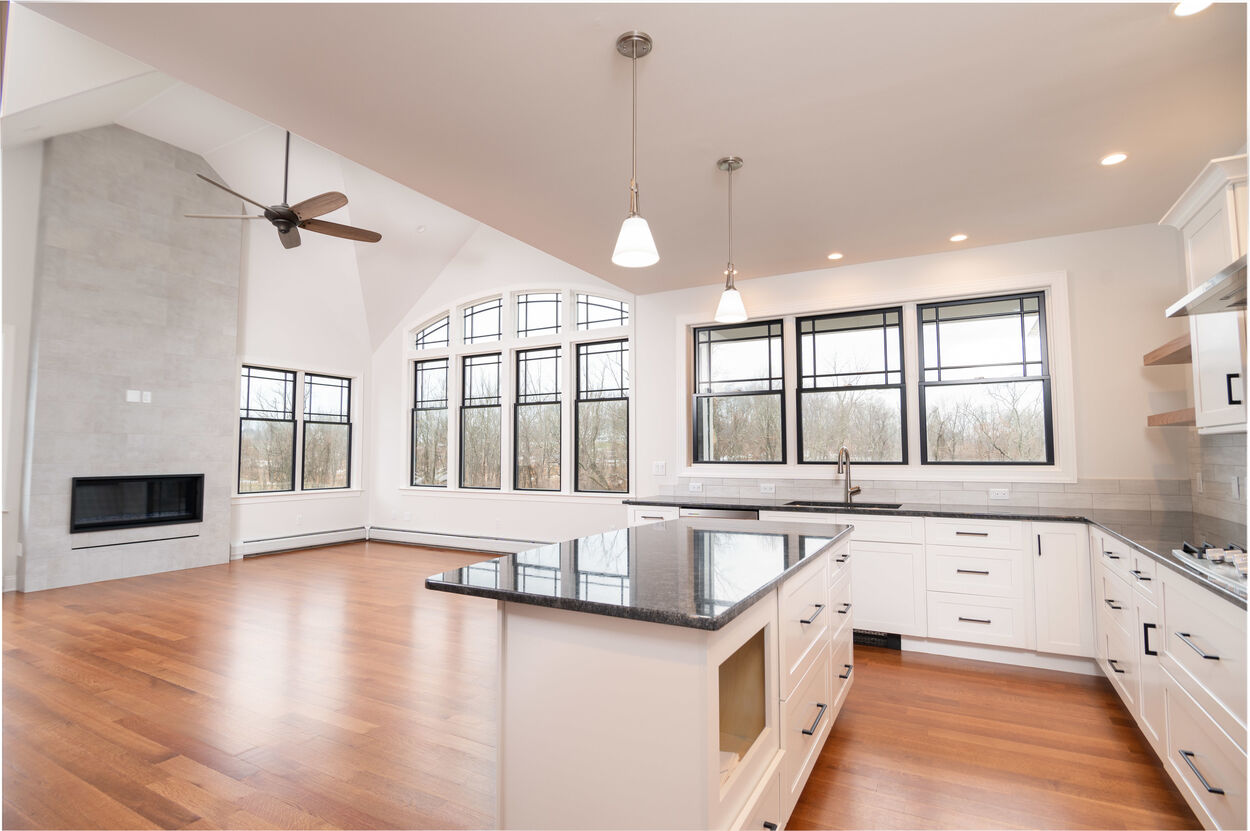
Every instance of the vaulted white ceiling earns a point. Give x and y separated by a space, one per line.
875 130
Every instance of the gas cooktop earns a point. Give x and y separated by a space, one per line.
1227 565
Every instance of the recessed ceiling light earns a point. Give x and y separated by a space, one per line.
420 229
836 255
959 237
1114 158
1187 7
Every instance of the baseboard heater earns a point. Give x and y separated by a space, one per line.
886 640
291 542
463 542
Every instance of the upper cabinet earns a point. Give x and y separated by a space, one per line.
1211 216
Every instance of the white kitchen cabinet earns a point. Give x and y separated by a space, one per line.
1207 766
1211 218
888 587
644 514
1062 603
1152 706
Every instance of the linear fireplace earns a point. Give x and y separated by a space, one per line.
98 503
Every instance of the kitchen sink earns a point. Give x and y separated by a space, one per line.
808 503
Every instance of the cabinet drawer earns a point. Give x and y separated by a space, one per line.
805 719
962 617
1113 554
1204 760
1142 573
1120 664
1113 599
840 605
877 528
804 618
842 668
975 533
840 561
643 515
764 806
1204 648
980 571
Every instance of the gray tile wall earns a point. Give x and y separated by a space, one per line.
129 294
1219 459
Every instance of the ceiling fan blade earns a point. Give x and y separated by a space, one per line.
290 239
223 216
235 193
336 230
318 205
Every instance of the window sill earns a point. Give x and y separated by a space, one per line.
530 496
290 496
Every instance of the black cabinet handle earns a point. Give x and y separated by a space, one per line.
1185 636
974 619
1111 603
1228 379
1188 757
771 826
1145 638
811 730
969 571
846 607
1110 556
1039 545
849 669
972 533
843 559
1137 573
820 607
1114 668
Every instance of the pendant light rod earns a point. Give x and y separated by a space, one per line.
730 164
286 167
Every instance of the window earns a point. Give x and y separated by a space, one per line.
600 312
484 322
602 417
851 387
429 424
266 430
327 432
480 457
739 412
435 335
538 314
985 384
537 420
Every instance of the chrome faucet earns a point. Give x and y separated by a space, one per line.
844 466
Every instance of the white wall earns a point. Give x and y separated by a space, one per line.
490 262
1119 281
21 169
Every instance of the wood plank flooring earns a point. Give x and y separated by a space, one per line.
328 689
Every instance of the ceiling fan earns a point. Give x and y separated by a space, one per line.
288 219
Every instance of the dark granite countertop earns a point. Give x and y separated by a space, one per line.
699 573
1155 533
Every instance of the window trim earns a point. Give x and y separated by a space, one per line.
577 415
901 386
303 455
1048 414
696 395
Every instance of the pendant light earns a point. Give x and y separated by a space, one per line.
730 309
634 246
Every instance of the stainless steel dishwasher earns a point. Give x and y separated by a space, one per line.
718 513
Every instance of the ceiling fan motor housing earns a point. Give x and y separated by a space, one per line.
282 217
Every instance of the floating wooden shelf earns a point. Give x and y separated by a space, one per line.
1175 418
1173 352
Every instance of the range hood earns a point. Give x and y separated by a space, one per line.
1225 292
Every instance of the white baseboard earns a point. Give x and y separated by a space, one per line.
10 583
246 548
1002 655
465 542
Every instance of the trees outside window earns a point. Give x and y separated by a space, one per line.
327 432
480 445
429 424
739 409
536 438
602 417
266 430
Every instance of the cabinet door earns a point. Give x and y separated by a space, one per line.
888 587
1062 595
1152 712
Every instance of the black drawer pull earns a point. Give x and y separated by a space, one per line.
1110 556
1136 573
1185 636
972 533
811 730
1228 379
771 826
1188 757
1145 638
1111 603
974 619
969 571
820 607
846 607
644 516
849 669
1114 668
843 559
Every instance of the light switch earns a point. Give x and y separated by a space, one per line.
147 396
658 468
133 397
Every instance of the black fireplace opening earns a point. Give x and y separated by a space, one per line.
98 503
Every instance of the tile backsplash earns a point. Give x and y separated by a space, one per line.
1221 461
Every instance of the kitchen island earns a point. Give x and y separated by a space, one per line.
682 674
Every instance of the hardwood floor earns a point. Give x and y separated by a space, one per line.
328 689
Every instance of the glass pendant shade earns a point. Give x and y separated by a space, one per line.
634 247
731 308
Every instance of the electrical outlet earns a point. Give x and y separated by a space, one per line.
147 396
768 487
694 487
1000 493
658 468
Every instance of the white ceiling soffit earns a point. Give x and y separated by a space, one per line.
875 130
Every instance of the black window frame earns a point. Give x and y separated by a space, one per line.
901 386
555 398
522 311
1045 378
346 418
245 408
473 310
578 400
443 323
780 391
416 407
465 361
585 301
